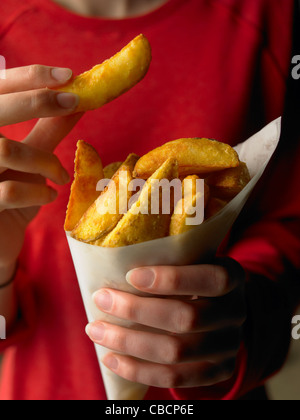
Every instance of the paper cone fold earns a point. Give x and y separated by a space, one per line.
98 267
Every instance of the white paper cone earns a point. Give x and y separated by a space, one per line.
98 267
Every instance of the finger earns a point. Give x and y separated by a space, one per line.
49 132
196 280
164 376
172 315
18 195
23 158
43 103
166 348
33 77
2 169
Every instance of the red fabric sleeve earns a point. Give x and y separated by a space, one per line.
24 325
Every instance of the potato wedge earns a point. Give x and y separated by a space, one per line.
189 186
194 156
190 206
111 169
229 183
107 81
88 172
105 213
139 224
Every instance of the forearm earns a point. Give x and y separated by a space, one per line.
8 306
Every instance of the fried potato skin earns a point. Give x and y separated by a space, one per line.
229 183
95 223
136 227
88 172
115 76
194 156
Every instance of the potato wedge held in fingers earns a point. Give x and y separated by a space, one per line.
229 183
140 224
88 172
105 213
194 156
107 81
189 211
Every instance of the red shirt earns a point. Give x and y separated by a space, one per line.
218 71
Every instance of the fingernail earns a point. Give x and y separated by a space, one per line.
103 300
95 332
67 100
111 362
61 75
141 278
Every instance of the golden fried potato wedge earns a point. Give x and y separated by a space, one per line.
194 156
214 206
189 187
189 211
229 183
111 169
88 172
107 81
140 224
105 213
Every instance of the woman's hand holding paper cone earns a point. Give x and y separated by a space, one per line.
193 341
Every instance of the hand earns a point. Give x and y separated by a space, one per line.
25 166
195 341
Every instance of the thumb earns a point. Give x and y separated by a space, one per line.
49 132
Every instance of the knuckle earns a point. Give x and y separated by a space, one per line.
234 341
130 373
242 315
39 99
35 72
170 378
8 192
228 369
130 312
120 342
186 319
6 148
173 279
219 280
173 351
